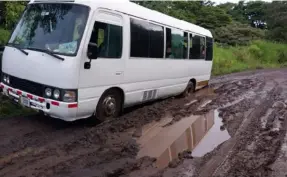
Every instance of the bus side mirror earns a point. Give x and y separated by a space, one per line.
92 54
92 51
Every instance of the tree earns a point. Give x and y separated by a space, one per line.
202 13
12 11
277 21
252 12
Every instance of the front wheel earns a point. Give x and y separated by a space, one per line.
109 105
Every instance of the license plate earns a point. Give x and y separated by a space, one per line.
25 101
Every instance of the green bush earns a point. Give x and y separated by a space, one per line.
255 50
282 56
258 55
237 34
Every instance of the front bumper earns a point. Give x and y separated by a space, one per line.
52 108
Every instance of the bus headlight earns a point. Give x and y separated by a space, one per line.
56 94
6 79
69 96
48 92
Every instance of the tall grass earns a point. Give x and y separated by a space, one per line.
257 55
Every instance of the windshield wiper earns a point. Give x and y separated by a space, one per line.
16 47
47 52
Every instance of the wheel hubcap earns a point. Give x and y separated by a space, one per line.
109 106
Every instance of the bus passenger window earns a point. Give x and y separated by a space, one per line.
185 43
147 39
202 48
139 38
175 44
209 49
108 39
168 44
156 41
197 51
190 46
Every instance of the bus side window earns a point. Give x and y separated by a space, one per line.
209 49
108 38
190 46
169 53
198 47
175 44
202 48
147 39
185 47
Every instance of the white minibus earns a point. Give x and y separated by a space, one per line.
83 59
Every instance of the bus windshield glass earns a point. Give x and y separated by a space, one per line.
53 27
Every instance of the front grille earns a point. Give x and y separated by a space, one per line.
27 86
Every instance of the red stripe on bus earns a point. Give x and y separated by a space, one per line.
75 105
41 100
55 103
30 96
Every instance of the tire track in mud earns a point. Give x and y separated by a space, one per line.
255 148
235 116
241 106
245 103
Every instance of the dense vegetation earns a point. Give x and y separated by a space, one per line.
248 35
257 55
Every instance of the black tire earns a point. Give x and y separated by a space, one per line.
109 105
190 88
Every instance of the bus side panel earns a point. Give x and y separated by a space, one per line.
163 76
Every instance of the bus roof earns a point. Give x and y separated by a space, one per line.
130 8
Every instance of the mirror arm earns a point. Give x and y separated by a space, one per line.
87 65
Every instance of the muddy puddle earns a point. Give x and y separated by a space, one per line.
199 134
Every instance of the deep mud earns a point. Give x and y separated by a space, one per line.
252 106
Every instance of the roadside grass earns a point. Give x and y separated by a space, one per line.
8 109
257 55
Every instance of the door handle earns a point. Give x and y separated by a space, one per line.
119 73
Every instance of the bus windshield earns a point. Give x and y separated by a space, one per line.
57 28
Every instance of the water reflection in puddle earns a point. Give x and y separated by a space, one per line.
200 134
212 138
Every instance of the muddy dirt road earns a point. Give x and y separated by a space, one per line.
237 127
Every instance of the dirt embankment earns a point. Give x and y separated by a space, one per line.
252 107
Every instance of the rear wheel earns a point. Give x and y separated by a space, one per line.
190 88
109 105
